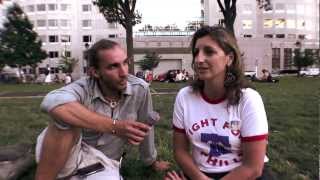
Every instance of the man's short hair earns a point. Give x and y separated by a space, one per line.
93 52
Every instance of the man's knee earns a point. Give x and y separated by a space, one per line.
67 137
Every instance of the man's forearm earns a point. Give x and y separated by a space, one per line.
76 114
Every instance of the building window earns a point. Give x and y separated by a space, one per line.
275 58
43 38
86 23
291 8
291 24
52 7
53 54
65 23
53 39
41 7
30 8
302 36
86 7
65 38
280 8
112 36
292 36
268 36
86 38
247 9
112 25
221 22
301 24
287 58
247 24
280 35
279 23
52 23
268 10
267 23
41 22
67 53
65 7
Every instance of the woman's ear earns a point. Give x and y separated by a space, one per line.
230 59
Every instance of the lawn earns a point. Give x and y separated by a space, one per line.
292 107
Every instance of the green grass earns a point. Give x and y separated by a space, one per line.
293 113
22 88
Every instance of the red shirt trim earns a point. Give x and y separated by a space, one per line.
254 138
211 101
176 129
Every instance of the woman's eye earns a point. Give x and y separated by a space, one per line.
208 51
195 51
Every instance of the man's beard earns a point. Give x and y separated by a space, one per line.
112 85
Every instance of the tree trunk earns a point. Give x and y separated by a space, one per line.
129 40
229 25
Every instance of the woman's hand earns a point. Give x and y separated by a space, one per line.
173 175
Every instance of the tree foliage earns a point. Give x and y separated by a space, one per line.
123 12
68 64
20 45
302 59
150 61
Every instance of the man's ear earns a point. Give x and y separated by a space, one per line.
93 72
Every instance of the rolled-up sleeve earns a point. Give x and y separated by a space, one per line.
70 93
148 152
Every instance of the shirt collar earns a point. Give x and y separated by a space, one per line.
98 94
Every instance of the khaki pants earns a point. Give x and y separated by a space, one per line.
83 155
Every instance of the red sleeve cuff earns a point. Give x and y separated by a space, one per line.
176 129
254 138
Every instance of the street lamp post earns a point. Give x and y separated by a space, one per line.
85 60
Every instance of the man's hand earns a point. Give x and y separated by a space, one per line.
134 131
160 165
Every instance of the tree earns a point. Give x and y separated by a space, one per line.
229 11
150 61
302 59
123 12
68 64
20 45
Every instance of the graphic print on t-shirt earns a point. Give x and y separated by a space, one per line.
219 145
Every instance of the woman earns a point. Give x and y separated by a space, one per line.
222 119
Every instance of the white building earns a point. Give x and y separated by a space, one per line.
288 25
65 27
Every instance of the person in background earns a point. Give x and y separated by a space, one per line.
94 118
266 76
67 79
218 117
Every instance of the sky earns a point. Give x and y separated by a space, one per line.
164 12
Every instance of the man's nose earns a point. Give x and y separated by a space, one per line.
123 71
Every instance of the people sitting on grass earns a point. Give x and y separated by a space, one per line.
220 124
266 77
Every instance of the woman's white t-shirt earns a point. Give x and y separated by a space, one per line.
215 131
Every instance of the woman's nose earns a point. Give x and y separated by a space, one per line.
199 57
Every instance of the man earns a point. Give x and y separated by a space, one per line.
106 110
